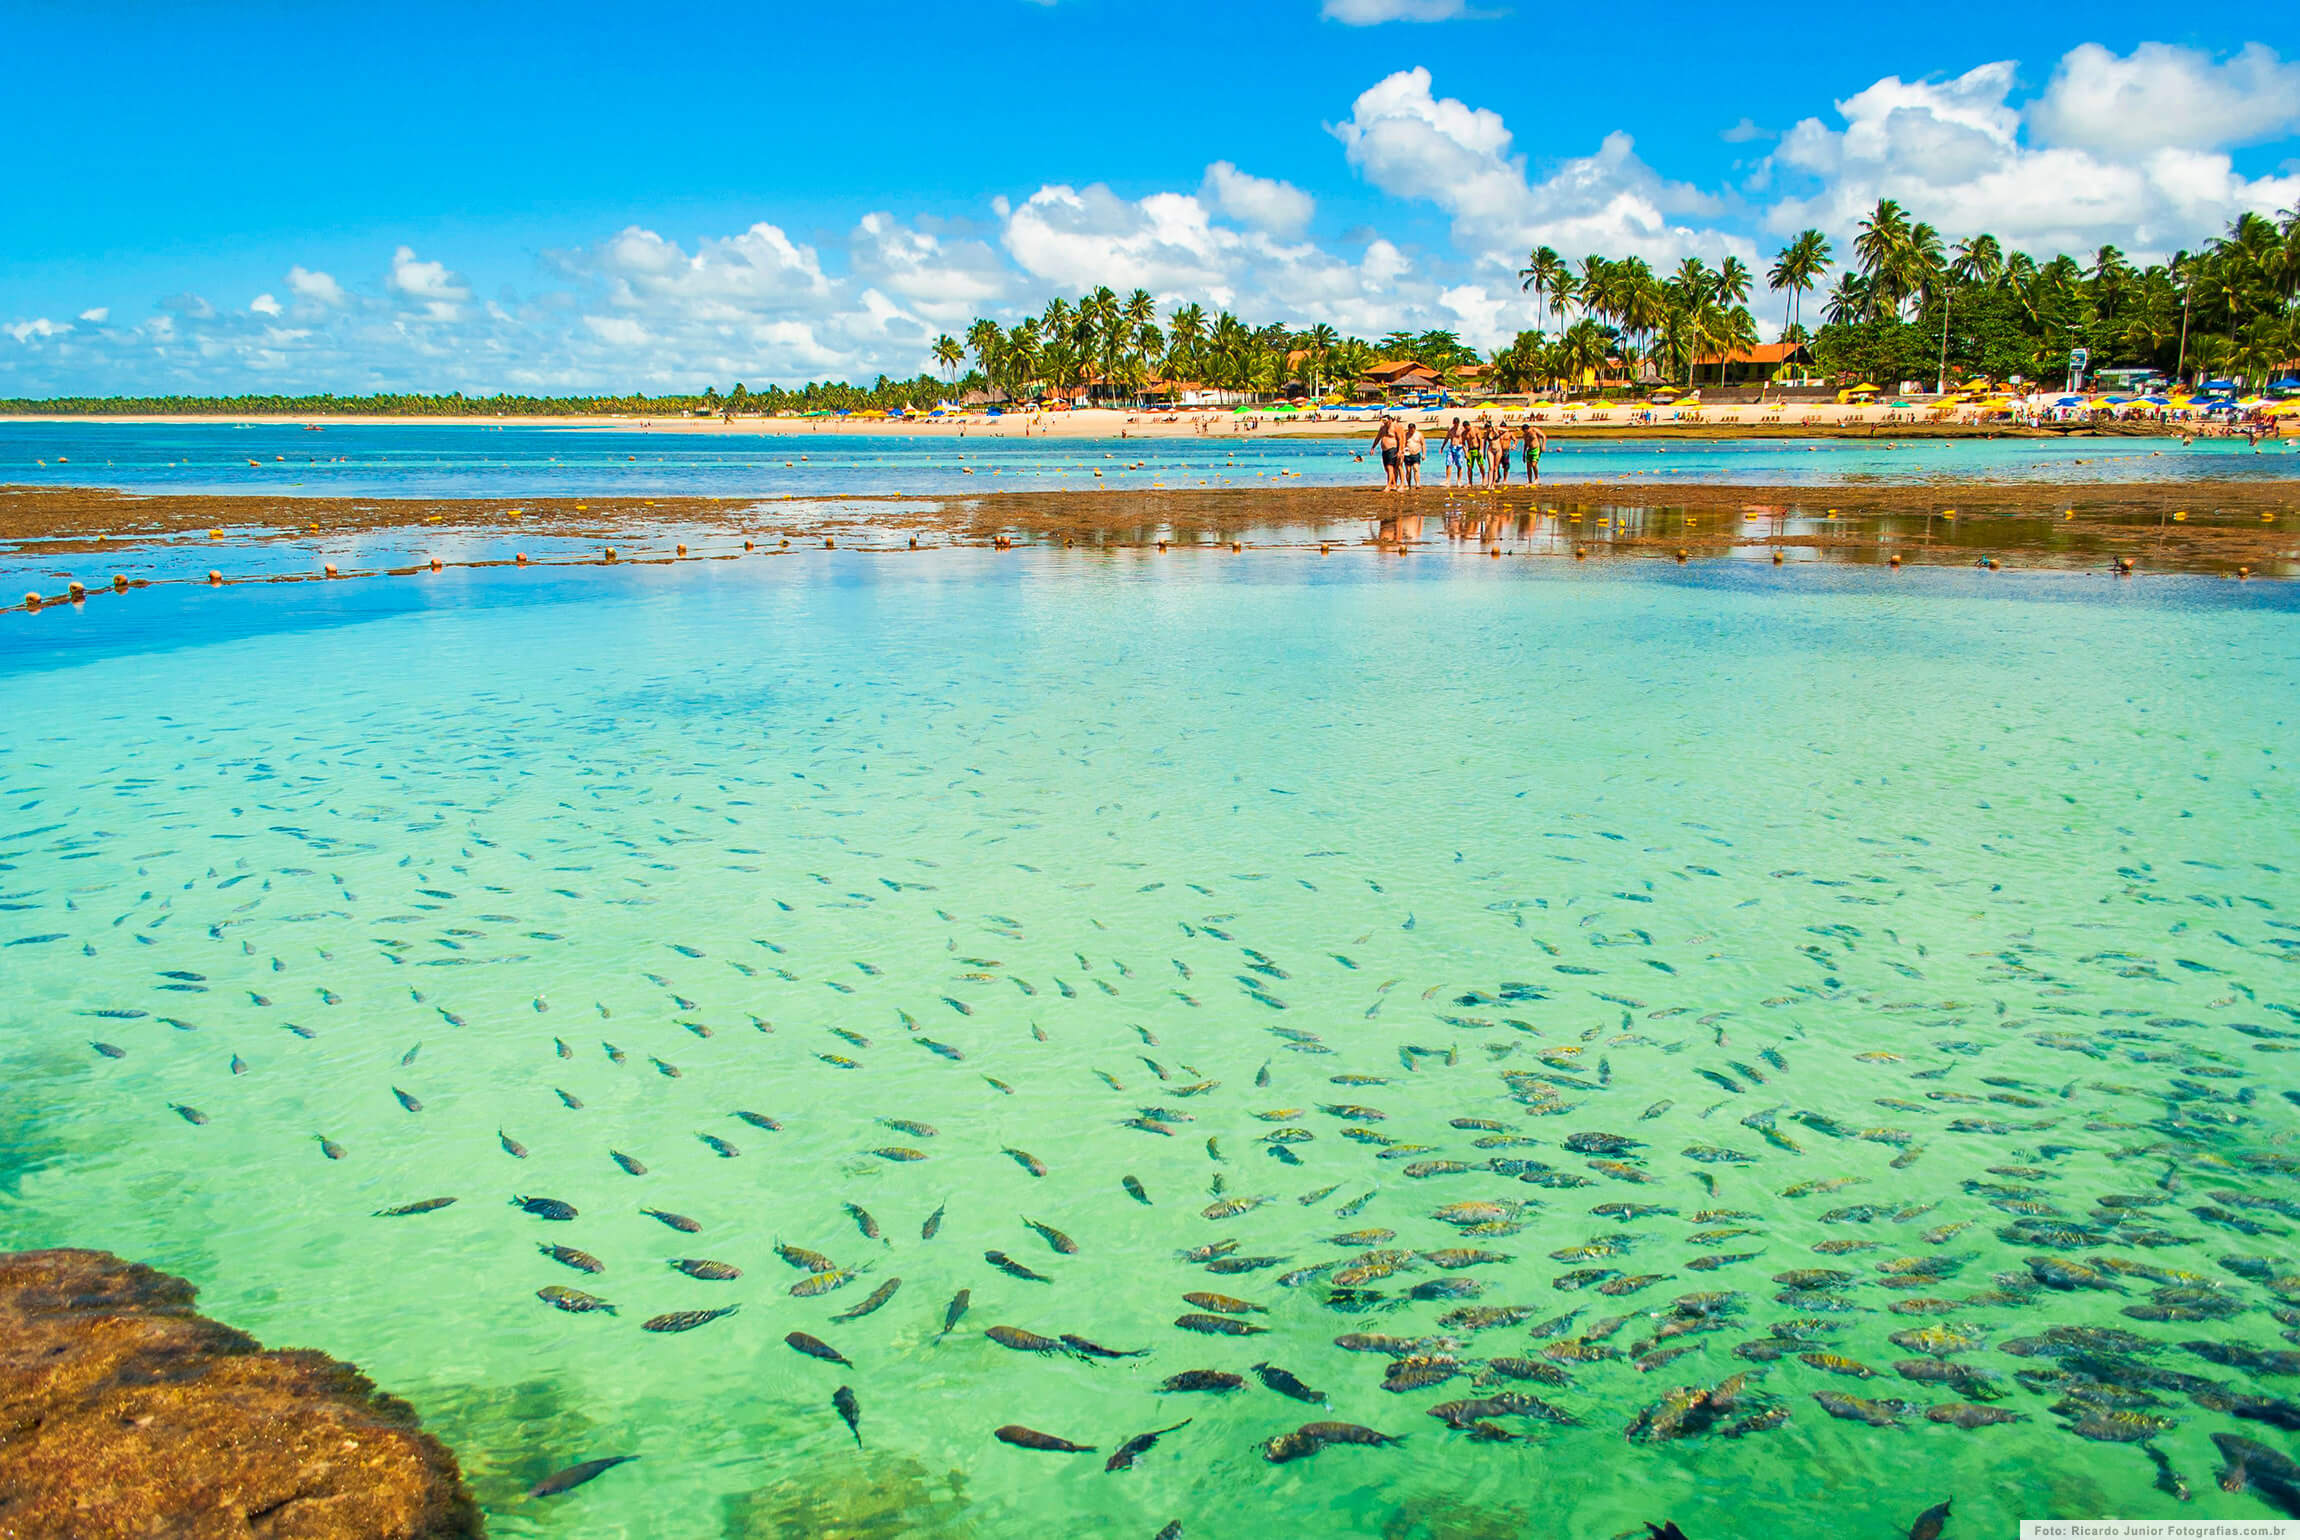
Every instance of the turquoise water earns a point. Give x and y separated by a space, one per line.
1036 842
515 461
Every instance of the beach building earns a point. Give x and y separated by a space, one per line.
1768 363
1393 377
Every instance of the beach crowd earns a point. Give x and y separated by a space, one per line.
1477 453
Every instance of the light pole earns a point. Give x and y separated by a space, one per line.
2181 367
1941 386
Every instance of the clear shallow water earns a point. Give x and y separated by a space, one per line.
1612 828
516 461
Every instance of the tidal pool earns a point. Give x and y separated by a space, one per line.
1887 928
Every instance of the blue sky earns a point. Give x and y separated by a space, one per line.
257 197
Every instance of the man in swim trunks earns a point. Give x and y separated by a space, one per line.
1473 448
1535 442
1501 445
1413 448
1391 443
1455 435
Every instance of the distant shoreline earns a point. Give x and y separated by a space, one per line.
1821 420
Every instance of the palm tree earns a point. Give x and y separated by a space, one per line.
988 342
1546 274
1591 285
1732 285
1581 352
948 353
1850 301
1798 268
1319 343
1185 334
1979 260
1880 248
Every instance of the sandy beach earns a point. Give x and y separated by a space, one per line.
1769 420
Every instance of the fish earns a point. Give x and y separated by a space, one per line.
933 1224
568 1256
1930 1523
801 1257
1025 1160
821 1283
573 1301
953 1312
1082 1348
1218 1325
679 1222
706 1269
1030 1438
1311 1437
511 1146
1217 1380
719 1146
878 1297
407 1101
575 1475
760 1120
1053 1237
816 1347
850 1411
1137 1446
1285 1384
1012 1268
420 1206
629 1163
545 1208
863 1221
686 1320
1223 1304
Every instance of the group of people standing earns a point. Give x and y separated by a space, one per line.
1477 452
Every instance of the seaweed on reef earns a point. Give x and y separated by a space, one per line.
508 1437
878 1497
1444 1516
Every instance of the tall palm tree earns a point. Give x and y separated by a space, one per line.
1850 301
1547 276
1921 269
988 340
1593 284
1319 342
1798 269
1185 335
948 353
1881 250
1979 260
1732 285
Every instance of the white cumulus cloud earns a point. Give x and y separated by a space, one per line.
440 292
2161 95
1960 154
318 288
264 304
1280 208
1412 144
96 315
1368 13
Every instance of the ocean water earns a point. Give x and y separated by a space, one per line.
1918 918
476 460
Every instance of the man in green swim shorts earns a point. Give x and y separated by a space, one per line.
1535 442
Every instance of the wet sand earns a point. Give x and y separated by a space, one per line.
2212 527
